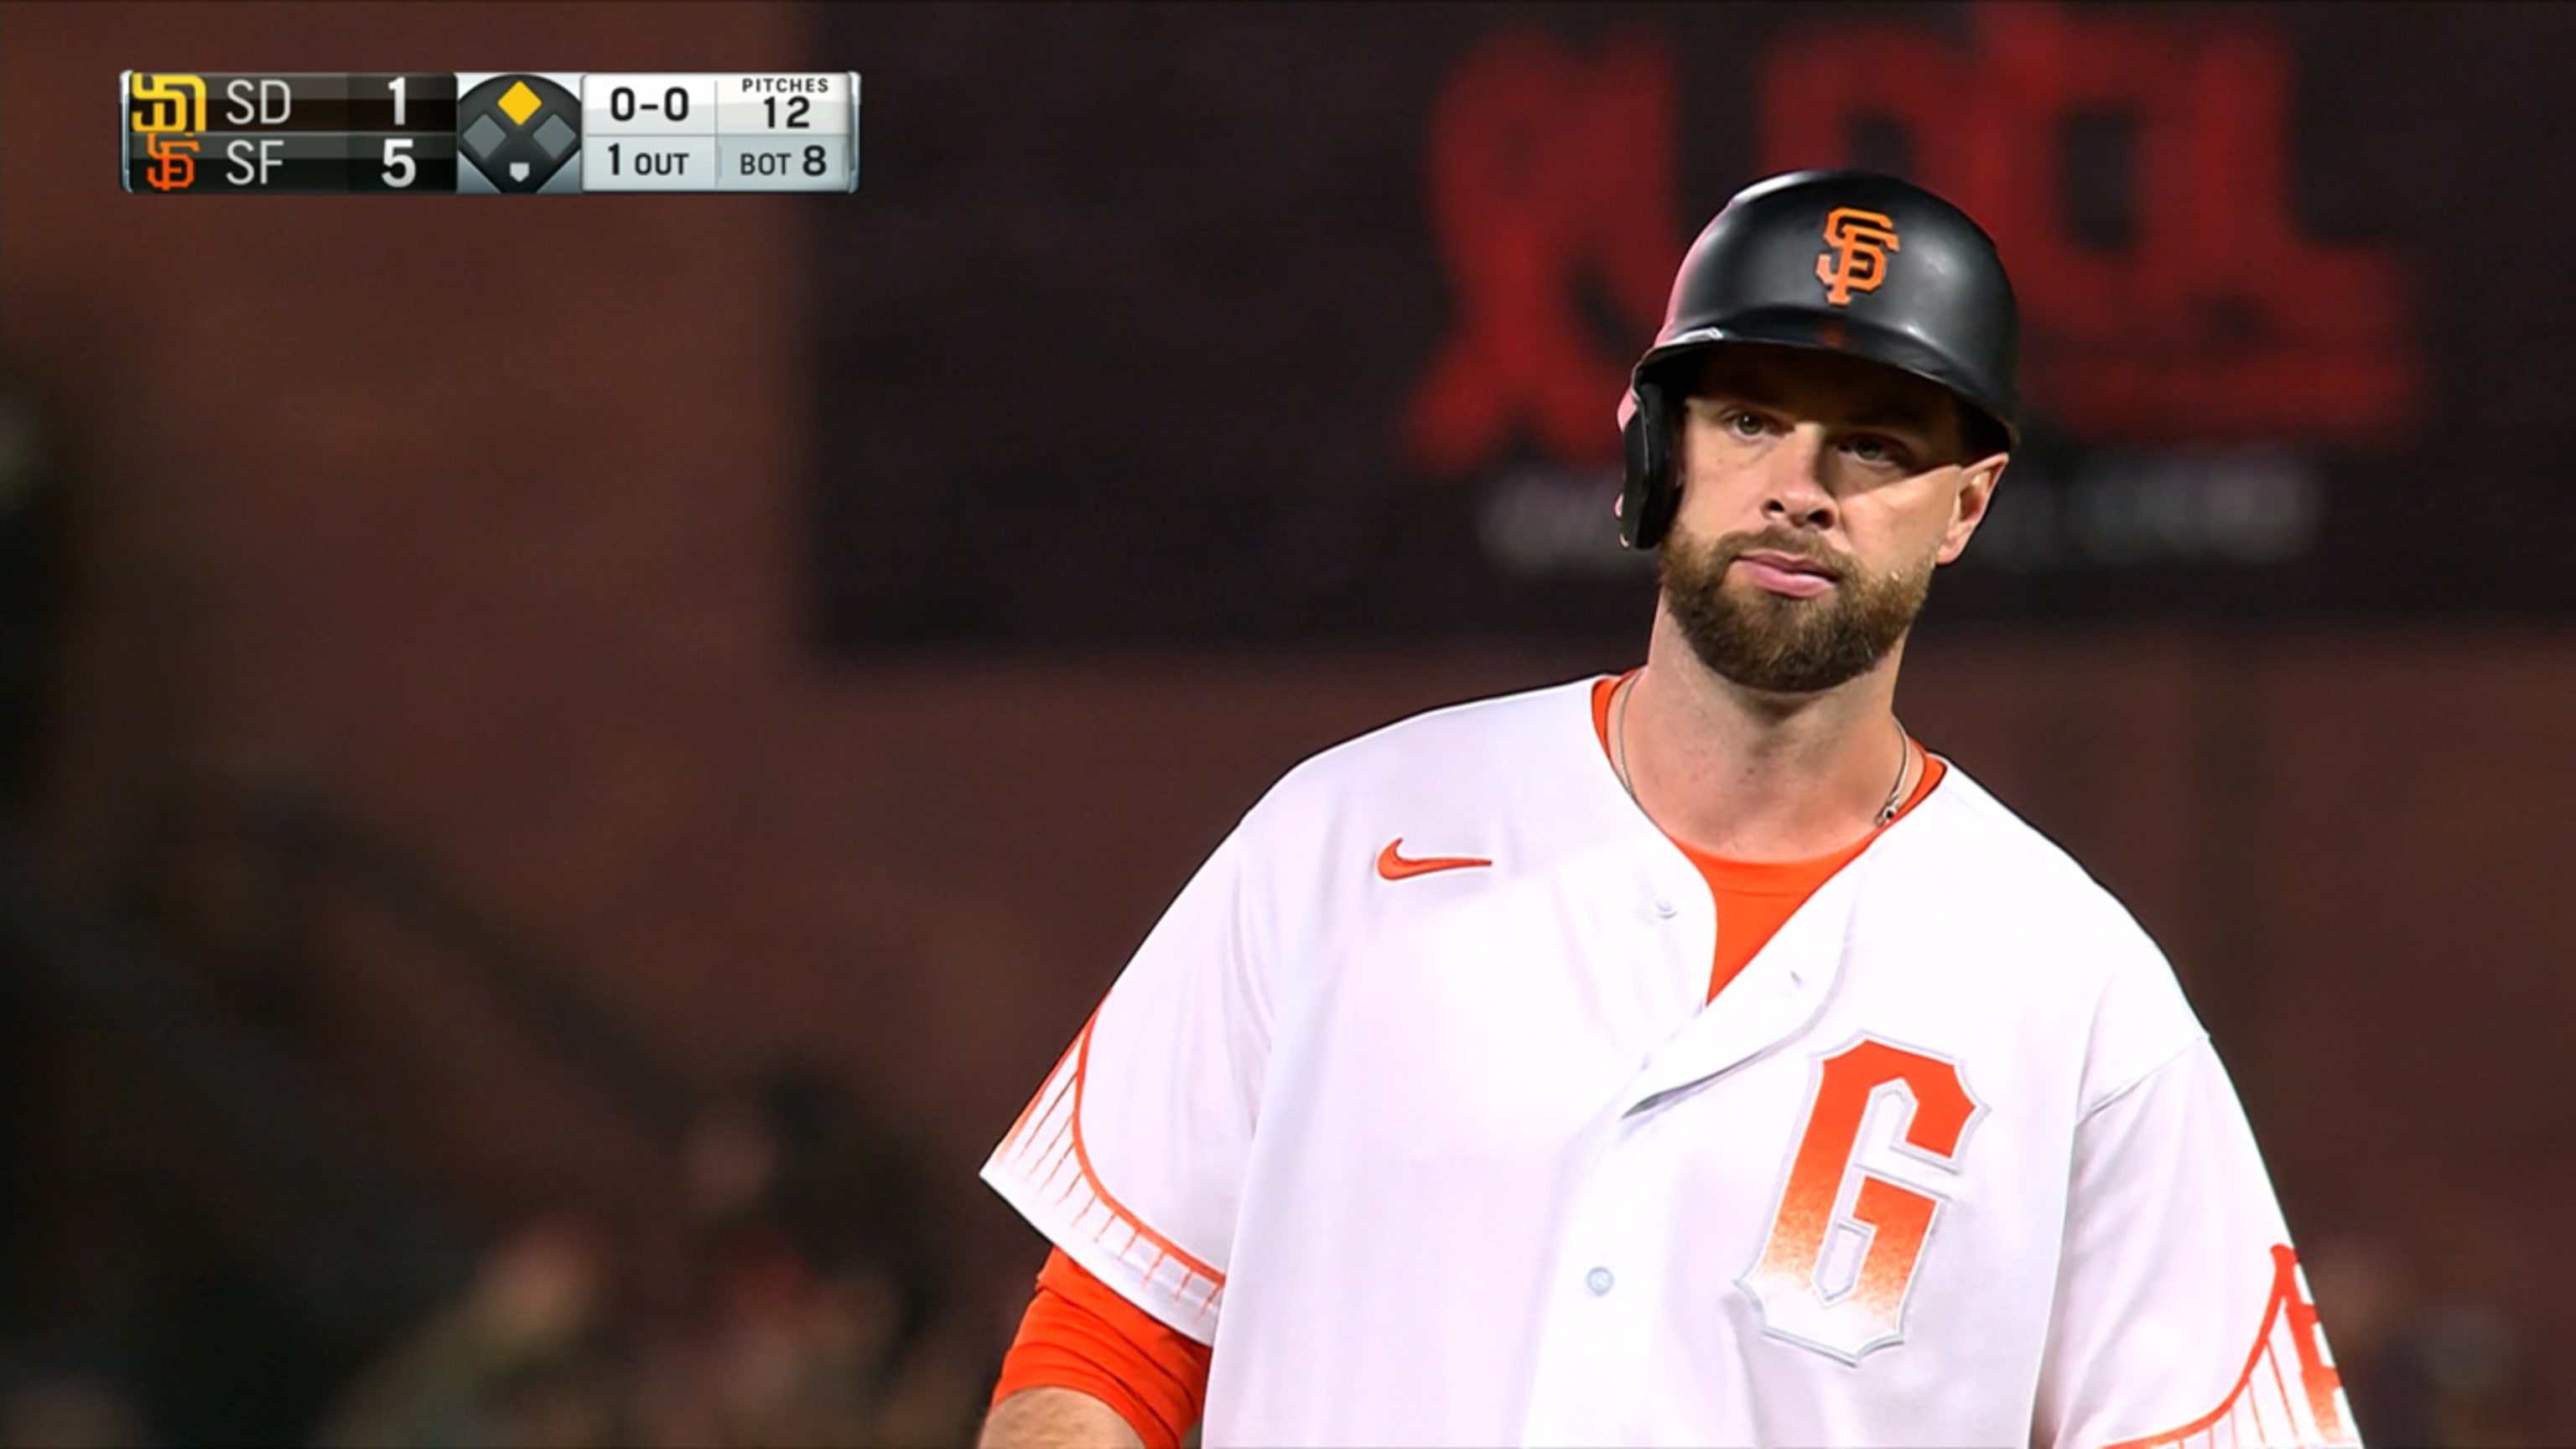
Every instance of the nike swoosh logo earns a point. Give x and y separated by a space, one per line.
1394 866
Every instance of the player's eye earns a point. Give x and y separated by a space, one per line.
1878 452
1744 424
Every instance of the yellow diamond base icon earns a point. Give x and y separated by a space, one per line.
520 102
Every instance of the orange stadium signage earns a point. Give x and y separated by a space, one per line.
1552 186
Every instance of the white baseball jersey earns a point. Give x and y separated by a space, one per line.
1414 1107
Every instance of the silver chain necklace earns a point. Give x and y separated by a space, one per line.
1619 753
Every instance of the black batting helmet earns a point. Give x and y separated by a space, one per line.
1844 260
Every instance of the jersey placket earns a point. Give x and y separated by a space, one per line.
1613 1278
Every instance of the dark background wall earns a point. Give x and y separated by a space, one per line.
458 777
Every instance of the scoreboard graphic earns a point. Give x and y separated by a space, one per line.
542 133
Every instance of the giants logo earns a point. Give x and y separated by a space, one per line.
1806 1285
1861 241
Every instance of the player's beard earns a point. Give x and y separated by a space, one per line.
1779 645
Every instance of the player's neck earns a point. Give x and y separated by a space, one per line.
1751 776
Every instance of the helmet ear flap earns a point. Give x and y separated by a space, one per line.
1648 493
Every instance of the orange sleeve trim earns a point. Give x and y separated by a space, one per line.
1163 1246
1079 1334
1047 1145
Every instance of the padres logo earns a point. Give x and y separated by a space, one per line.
1861 241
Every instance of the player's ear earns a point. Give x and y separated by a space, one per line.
1976 492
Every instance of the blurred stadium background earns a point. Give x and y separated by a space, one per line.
568 763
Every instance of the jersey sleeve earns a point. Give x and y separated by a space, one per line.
1132 1154
2181 1316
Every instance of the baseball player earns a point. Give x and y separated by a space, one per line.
1684 1056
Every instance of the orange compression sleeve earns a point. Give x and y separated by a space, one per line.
1080 1334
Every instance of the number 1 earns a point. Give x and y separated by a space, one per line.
397 84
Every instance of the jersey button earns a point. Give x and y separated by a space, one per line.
1599 1281
1664 908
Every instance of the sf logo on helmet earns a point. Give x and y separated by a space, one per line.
1861 241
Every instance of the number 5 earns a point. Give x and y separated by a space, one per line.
400 168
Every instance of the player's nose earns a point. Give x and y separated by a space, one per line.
1794 485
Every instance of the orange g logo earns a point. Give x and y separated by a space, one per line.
1811 1295
1861 241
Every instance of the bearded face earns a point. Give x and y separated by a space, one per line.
1780 644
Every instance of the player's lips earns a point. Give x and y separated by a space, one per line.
1795 575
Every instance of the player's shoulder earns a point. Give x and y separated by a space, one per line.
1982 847
1977 884
1988 866
1522 774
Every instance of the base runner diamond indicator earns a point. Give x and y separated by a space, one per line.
519 134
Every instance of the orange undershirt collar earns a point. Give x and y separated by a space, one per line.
1754 898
